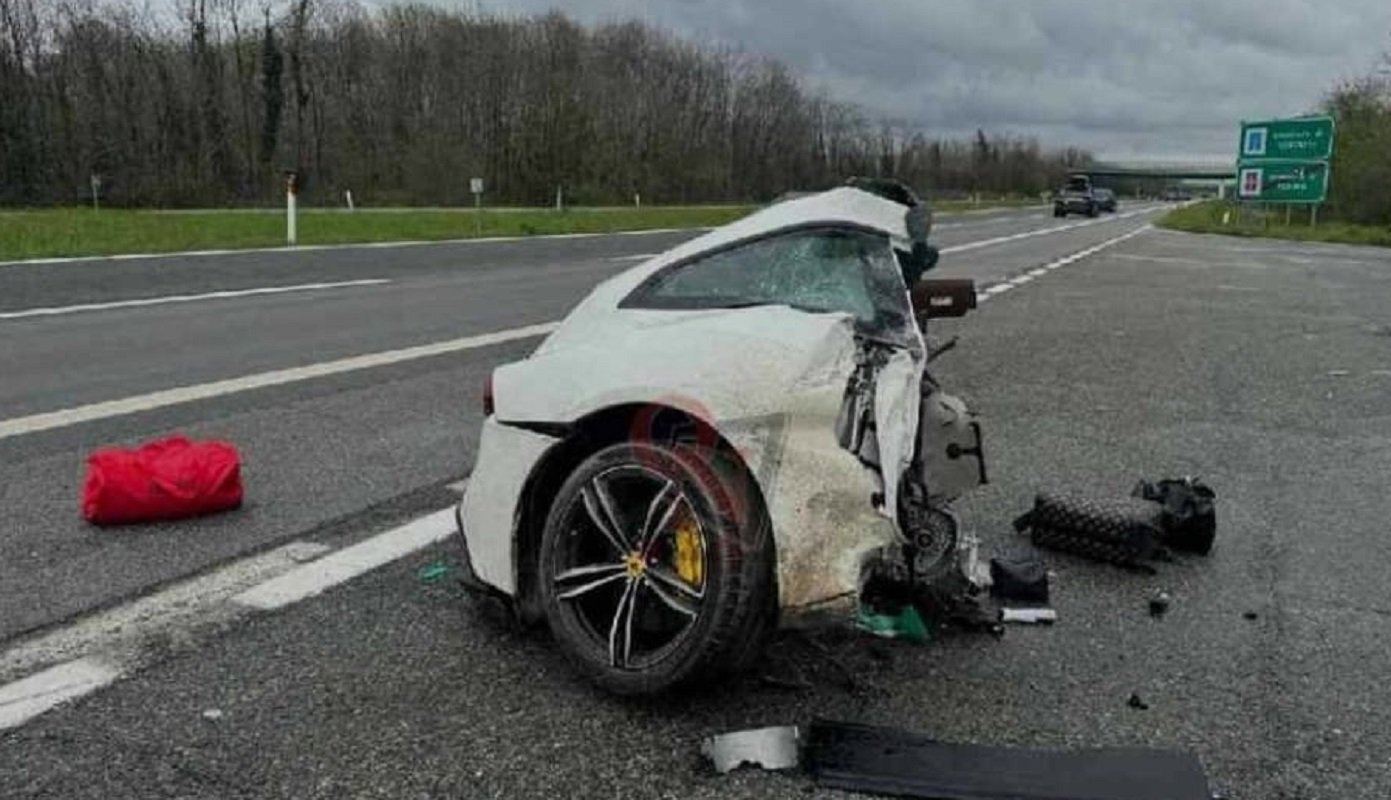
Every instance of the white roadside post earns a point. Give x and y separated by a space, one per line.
348 194
475 185
291 211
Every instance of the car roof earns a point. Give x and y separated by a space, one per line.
845 206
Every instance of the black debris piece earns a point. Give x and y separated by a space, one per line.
1136 702
879 760
1159 604
1019 577
1190 514
1119 530
1250 615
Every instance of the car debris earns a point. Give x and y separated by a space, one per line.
1159 603
1137 703
743 430
773 748
907 624
1189 521
432 572
1019 576
1029 616
1120 530
888 761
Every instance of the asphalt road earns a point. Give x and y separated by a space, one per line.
1261 366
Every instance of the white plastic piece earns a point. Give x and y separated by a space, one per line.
768 748
1029 616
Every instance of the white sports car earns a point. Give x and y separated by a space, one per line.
735 435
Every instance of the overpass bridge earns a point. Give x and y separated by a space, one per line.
1162 170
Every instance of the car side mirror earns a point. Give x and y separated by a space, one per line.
943 297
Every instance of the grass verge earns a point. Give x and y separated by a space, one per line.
82 232
1216 216
55 233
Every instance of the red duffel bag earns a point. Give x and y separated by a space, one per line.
168 479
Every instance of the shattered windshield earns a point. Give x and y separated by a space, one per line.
819 271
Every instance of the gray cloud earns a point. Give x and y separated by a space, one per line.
1122 77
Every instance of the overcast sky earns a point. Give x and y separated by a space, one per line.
1125 78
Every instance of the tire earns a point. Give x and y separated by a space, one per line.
631 612
1091 211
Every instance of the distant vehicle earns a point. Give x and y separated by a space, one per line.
1176 195
1076 197
1105 200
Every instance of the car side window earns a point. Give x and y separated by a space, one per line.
823 270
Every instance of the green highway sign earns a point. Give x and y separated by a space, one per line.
1301 138
1282 180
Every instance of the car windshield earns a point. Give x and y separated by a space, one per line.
818 271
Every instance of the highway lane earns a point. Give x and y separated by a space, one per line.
90 280
318 453
1261 366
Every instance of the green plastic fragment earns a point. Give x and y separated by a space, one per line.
433 572
907 624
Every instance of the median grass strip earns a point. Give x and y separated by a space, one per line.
1223 217
55 233
84 232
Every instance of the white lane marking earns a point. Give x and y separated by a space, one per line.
638 257
125 628
1019 280
25 699
348 563
187 298
309 248
1014 237
187 394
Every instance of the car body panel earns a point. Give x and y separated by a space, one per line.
770 380
510 455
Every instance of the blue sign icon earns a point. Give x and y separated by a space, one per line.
1255 142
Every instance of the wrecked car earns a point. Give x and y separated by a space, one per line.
736 435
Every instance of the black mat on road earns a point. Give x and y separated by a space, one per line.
865 758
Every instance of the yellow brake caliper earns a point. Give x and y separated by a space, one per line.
689 554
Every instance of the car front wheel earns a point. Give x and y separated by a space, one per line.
656 567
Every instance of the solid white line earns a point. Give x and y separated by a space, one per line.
187 298
638 257
318 576
1021 279
25 699
1037 272
188 394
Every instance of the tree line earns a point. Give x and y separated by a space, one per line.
209 102
1360 182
